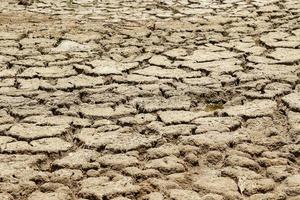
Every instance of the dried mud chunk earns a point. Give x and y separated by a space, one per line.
281 88
294 122
136 32
103 187
13 51
153 196
261 59
251 148
266 94
49 196
23 188
191 158
293 101
49 58
218 66
66 175
294 198
140 90
248 48
213 197
213 141
177 25
50 145
6 101
15 93
256 108
274 38
278 173
70 46
182 177
272 142
6 35
294 149
5 118
179 194
8 73
57 98
235 160
267 162
24 167
80 159
30 131
269 196
220 124
115 141
121 198
163 185
82 37
138 173
8 82
160 61
236 172
172 117
99 111
202 55
172 130
168 164
26 111
6 139
58 120
166 149
37 42
166 73
4 59
285 55
258 186
158 103
48 72
15 147
106 67
175 37
126 51
217 185
260 127
34 84
203 81
142 57
117 161
214 157
285 73
80 81
178 52
67 62
4 127
5 196
292 185
135 78
106 128
138 119
108 97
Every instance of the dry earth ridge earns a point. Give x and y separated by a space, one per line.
149 100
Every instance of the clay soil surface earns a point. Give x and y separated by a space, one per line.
149 99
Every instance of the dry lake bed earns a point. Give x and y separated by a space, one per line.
149 99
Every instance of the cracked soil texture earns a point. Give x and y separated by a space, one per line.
149 99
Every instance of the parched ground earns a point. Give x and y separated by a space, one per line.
150 100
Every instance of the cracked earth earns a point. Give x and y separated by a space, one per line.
150 100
